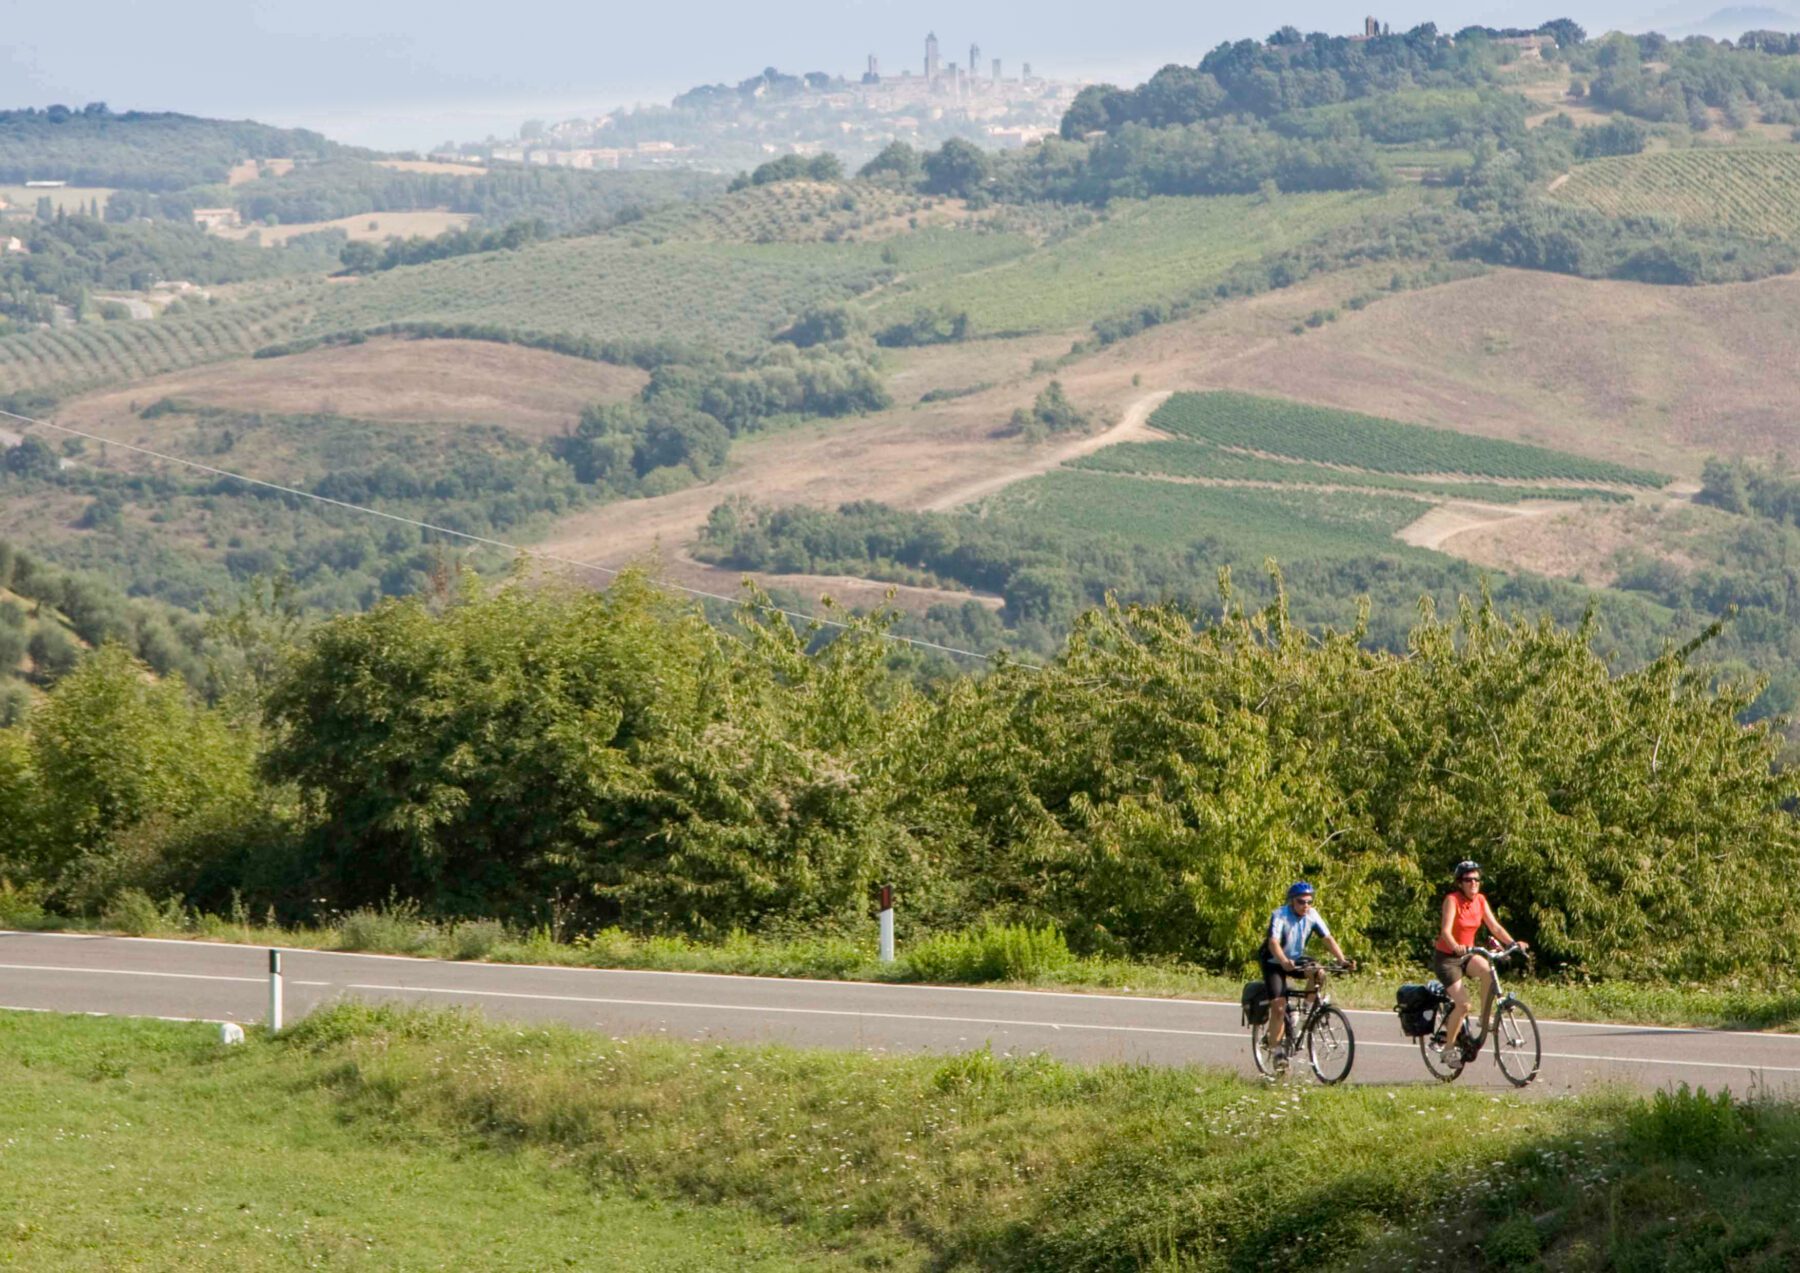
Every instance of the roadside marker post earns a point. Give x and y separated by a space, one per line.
274 991
886 919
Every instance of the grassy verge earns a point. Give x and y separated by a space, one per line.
375 1137
992 956
146 1145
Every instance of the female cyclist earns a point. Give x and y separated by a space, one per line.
1465 912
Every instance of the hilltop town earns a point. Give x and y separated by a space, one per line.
772 113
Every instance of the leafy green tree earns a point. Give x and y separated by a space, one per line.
896 162
119 764
957 167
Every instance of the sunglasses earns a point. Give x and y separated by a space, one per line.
1304 897
1468 879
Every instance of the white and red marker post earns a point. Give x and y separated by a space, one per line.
886 919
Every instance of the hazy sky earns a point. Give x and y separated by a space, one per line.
406 73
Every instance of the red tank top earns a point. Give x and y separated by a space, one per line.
1471 914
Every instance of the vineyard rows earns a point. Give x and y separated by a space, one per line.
73 357
789 212
1181 457
1752 191
720 295
1323 435
1141 253
1247 524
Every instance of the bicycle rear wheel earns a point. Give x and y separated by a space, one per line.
1331 1045
1517 1046
1445 1067
1259 1050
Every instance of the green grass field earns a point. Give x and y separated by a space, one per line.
1249 525
145 1145
1324 435
382 1139
1752 190
1141 253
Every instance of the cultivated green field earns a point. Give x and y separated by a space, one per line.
1251 524
1324 435
1141 253
1752 190
378 1139
726 296
1187 458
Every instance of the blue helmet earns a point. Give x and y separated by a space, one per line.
1299 888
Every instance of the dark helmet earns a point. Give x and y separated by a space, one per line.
1465 868
1299 888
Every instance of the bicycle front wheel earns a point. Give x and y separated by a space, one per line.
1330 1045
1517 1046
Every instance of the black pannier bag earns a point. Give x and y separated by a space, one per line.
1417 1006
1255 1003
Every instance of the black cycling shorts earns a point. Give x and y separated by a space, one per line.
1275 980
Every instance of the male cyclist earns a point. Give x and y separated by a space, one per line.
1465 911
1290 927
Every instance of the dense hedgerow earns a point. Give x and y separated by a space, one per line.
614 759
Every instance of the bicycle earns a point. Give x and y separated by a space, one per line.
1518 1048
1330 1043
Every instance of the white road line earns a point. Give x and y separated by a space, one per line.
915 987
138 972
1001 1021
134 1016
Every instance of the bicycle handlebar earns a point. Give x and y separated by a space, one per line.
1335 965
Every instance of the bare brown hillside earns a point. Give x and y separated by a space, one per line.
530 391
1659 376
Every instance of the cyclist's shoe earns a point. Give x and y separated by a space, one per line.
1471 1047
1437 1041
1278 1058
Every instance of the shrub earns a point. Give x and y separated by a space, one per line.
476 938
132 912
1687 1123
394 929
994 952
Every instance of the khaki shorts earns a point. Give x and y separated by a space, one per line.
1448 968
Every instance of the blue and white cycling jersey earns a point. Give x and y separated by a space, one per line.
1292 931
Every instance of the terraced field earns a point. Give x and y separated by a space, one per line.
1244 423
1753 191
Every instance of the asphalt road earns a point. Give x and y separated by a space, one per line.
145 977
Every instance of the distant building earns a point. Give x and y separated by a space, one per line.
974 62
1531 47
873 74
931 58
996 75
46 185
15 244
217 218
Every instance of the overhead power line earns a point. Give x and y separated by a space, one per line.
516 549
